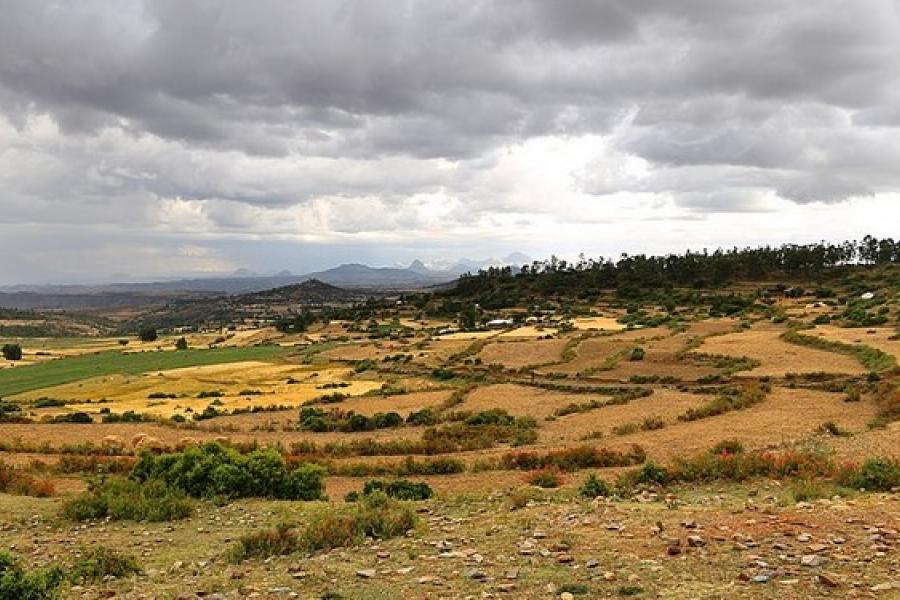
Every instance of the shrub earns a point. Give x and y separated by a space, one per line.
18 584
547 477
75 417
12 351
129 416
147 334
573 459
401 489
212 470
124 499
16 481
387 420
651 473
876 474
727 447
594 487
749 396
637 353
100 562
363 365
374 516
48 403
426 416
433 466
806 490
832 428
181 344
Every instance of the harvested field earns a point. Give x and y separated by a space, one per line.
778 357
664 403
436 352
515 355
875 337
521 400
785 417
527 332
469 335
598 324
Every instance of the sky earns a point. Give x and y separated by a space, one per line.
150 139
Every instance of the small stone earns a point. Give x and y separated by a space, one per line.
565 559
828 580
366 573
761 578
812 560
695 541
512 574
476 574
566 596
506 587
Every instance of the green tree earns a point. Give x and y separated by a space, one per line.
12 352
147 334
181 344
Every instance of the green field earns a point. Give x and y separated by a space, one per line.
57 372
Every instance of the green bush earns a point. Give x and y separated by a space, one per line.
99 562
75 417
211 470
18 584
426 416
364 365
875 475
594 487
125 499
401 489
651 473
12 351
637 353
46 402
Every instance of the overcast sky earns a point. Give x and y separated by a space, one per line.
146 139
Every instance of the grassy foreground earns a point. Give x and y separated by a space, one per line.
66 370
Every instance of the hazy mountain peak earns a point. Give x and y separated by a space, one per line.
418 266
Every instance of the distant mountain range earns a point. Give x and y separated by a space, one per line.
417 275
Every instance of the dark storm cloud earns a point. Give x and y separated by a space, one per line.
109 110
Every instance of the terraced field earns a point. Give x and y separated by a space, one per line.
480 417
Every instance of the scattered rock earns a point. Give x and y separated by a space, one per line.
695 541
366 573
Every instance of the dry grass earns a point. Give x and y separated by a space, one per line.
876 337
515 355
597 324
519 400
778 357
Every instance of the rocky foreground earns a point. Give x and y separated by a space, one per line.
714 542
